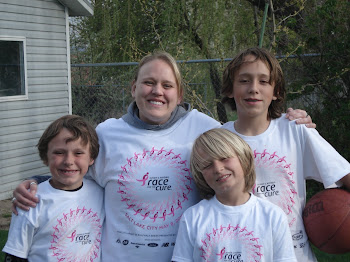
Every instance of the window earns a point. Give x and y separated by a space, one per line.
13 80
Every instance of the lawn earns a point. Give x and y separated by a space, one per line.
322 257
3 238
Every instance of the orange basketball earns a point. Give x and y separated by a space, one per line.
327 220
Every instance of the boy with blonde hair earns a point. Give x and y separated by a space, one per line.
285 154
231 224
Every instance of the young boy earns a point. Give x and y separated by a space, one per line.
285 154
231 224
67 223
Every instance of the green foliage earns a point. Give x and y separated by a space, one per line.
125 30
324 84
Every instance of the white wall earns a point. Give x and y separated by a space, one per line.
43 24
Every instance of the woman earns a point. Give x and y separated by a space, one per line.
143 165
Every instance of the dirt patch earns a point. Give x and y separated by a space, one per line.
5 214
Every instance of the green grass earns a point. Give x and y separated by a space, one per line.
3 239
321 257
7 215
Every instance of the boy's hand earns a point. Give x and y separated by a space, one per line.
24 198
301 116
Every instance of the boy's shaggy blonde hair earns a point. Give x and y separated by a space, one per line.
220 143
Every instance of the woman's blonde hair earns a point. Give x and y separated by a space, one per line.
219 143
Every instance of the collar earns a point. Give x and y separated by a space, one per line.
132 117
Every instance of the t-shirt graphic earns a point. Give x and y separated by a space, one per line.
76 235
154 186
221 244
275 181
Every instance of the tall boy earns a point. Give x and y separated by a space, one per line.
285 154
67 223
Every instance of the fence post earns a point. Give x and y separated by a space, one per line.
263 24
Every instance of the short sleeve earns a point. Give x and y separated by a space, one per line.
283 249
20 236
183 251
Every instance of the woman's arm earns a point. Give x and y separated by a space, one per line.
24 194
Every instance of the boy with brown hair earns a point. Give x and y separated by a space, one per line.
285 154
67 223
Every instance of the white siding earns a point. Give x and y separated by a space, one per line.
43 23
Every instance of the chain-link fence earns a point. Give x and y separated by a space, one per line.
101 91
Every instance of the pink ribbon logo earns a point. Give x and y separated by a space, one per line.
73 235
222 253
144 179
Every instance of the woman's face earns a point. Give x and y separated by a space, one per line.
156 92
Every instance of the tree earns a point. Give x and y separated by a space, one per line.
327 76
125 30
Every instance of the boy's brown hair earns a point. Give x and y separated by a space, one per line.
276 79
79 128
220 143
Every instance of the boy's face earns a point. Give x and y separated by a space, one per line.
252 91
224 176
68 162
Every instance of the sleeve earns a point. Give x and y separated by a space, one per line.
283 249
321 161
183 251
20 236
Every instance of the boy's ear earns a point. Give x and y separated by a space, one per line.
91 162
231 95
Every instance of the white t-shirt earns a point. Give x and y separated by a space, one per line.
65 226
255 231
148 185
287 154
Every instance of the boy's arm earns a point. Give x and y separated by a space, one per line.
11 258
301 116
346 182
24 194
20 235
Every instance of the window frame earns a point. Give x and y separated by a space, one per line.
23 72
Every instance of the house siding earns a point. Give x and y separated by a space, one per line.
43 23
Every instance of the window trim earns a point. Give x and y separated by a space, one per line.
24 42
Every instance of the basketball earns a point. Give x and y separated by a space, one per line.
327 220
